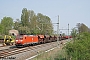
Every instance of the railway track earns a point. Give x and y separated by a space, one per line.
9 52
5 53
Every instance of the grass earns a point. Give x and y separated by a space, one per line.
56 54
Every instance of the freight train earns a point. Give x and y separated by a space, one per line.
23 40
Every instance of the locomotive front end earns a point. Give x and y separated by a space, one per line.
19 41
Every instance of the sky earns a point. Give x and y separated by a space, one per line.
70 11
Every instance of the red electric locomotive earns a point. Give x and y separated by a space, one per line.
23 40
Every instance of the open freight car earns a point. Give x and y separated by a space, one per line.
41 39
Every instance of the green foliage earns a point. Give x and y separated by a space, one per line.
44 23
74 33
79 29
82 28
17 24
30 23
63 34
79 49
36 24
24 30
1 37
61 55
1 29
7 24
24 17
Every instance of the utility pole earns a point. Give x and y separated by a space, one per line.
68 31
58 32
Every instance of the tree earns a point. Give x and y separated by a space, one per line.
7 23
35 23
44 22
25 17
78 26
63 34
17 24
32 21
24 30
1 29
82 28
74 32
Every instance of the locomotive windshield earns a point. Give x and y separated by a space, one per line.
19 37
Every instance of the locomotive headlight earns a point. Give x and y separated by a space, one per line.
21 40
16 40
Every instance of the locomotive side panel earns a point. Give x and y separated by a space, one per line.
35 39
28 40
31 39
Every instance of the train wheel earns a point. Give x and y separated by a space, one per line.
27 45
17 46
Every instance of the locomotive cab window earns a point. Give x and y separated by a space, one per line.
19 37
25 37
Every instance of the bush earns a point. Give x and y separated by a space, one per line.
1 37
79 49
